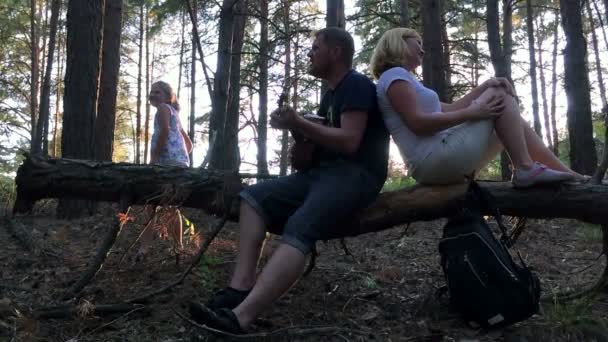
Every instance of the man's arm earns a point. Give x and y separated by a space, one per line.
345 139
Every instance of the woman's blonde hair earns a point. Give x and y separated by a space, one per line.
392 50
167 89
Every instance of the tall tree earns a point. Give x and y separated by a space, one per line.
554 134
532 54
287 72
262 128
34 52
140 59
193 79
232 158
596 54
603 166
583 156
543 84
219 100
225 114
84 34
46 87
148 77
500 55
404 13
433 70
110 65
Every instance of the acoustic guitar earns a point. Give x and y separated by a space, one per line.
302 152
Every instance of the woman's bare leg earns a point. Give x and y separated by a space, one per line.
510 129
542 154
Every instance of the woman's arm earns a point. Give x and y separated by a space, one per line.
164 115
187 141
402 98
466 100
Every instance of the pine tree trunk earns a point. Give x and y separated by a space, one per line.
283 164
601 169
404 13
433 70
193 81
46 87
181 54
34 52
147 87
106 111
554 135
596 54
140 95
543 85
262 159
60 63
84 25
532 53
501 57
221 87
231 154
335 14
583 156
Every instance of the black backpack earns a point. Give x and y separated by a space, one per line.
484 283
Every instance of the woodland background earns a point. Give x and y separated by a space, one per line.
74 78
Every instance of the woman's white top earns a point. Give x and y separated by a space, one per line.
413 148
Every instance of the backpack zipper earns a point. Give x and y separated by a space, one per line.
513 276
468 262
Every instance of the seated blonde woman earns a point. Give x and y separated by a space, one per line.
442 143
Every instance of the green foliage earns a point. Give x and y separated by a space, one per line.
7 191
395 183
207 277
571 313
588 232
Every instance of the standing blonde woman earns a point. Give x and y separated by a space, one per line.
170 146
442 143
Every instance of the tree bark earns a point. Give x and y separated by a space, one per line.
500 54
34 51
193 80
106 111
335 13
601 169
532 53
433 70
221 86
262 158
554 134
46 87
84 25
283 162
147 87
583 156
596 54
404 13
231 154
543 86
208 190
139 90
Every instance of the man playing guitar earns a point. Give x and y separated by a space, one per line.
346 174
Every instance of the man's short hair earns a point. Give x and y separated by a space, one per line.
335 36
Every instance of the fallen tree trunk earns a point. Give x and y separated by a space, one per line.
41 178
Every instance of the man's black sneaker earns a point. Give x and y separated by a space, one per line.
228 298
221 319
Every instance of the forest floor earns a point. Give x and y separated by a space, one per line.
384 291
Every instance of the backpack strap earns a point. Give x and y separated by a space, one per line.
486 201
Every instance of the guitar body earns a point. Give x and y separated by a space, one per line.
302 155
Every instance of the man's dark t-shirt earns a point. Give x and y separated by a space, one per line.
356 92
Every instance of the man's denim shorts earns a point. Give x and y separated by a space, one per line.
308 206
